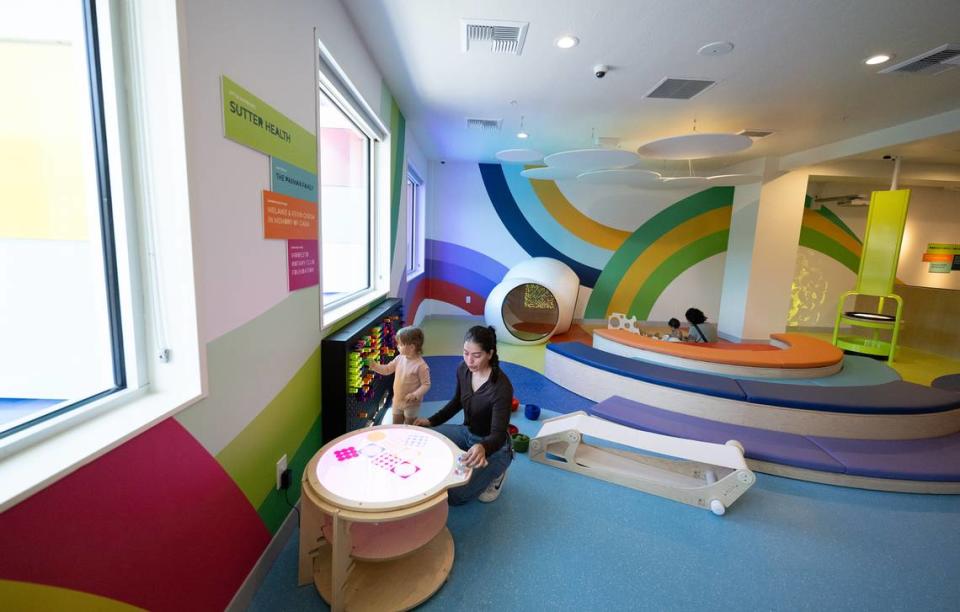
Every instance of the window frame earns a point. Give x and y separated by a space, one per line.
108 238
143 121
370 204
333 82
415 237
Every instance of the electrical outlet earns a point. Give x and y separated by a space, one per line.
281 468
469 298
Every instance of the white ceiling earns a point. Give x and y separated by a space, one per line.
797 68
943 149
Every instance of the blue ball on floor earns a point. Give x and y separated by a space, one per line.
531 411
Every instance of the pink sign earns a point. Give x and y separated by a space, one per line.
303 263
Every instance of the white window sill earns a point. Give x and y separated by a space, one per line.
105 425
340 312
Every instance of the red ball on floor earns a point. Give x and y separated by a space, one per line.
514 405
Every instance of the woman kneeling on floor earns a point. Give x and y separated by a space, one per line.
484 394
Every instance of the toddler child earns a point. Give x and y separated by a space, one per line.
412 380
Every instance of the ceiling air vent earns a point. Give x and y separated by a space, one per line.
853 199
934 61
484 125
755 133
500 36
679 89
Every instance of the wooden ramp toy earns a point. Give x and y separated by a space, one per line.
702 474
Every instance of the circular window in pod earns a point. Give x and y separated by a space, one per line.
530 312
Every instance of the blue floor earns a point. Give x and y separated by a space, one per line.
558 540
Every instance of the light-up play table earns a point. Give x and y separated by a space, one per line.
373 531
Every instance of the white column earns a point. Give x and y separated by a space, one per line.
761 257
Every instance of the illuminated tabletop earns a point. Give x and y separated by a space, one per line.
370 498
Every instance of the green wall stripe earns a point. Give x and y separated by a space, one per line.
672 267
274 508
398 128
832 217
647 234
813 239
251 457
249 365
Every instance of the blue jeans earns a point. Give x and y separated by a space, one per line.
498 463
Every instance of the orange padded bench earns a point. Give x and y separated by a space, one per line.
801 351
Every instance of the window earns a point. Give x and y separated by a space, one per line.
60 317
415 206
345 197
354 217
98 309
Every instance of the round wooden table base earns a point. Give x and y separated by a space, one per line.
399 584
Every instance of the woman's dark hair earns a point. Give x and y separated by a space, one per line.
674 323
695 316
486 337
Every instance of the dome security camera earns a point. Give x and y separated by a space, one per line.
600 70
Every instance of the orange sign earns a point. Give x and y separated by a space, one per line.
288 218
937 257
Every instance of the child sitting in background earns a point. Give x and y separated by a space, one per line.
412 379
675 334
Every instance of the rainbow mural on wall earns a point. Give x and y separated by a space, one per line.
823 231
627 271
118 533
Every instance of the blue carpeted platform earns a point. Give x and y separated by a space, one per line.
950 382
530 387
897 397
857 371
927 459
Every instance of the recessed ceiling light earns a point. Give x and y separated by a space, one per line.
567 42
877 59
721 47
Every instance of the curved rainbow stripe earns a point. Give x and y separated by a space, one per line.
543 217
574 221
453 273
17 595
827 234
671 241
832 217
519 227
682 247
156 510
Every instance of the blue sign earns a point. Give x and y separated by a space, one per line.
292 181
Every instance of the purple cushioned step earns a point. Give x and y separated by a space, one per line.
950 382
896 397
759 444
936 459
708 384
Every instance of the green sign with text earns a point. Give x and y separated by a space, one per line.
250 121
